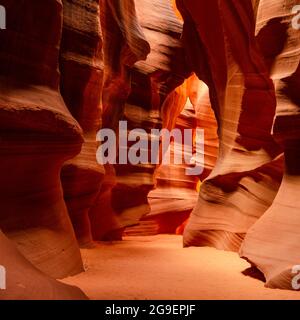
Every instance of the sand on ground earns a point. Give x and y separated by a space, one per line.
157 267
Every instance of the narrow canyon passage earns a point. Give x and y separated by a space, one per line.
149 149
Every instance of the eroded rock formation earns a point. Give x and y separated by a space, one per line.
272 244
24 281
253 74
38 134
176 192
141 53
81 66
245 179
71 67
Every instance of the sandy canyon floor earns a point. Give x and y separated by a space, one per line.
157 267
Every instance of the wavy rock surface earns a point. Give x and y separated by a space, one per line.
199 98
232 68
272 244
24 281
175 194
38 134
223 51
141 54
81 66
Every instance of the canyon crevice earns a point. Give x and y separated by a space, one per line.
70 68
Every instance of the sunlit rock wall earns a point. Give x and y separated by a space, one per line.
248 54
272 244
223 50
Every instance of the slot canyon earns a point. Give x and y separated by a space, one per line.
75 228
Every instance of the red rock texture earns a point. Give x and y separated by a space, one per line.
141 50
26 282
272 244
244 181
251 54
176 193
38 134
81 65
71 67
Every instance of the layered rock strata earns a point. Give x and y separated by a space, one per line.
272 244
81 65
223 51
141 53
38 134
23 281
